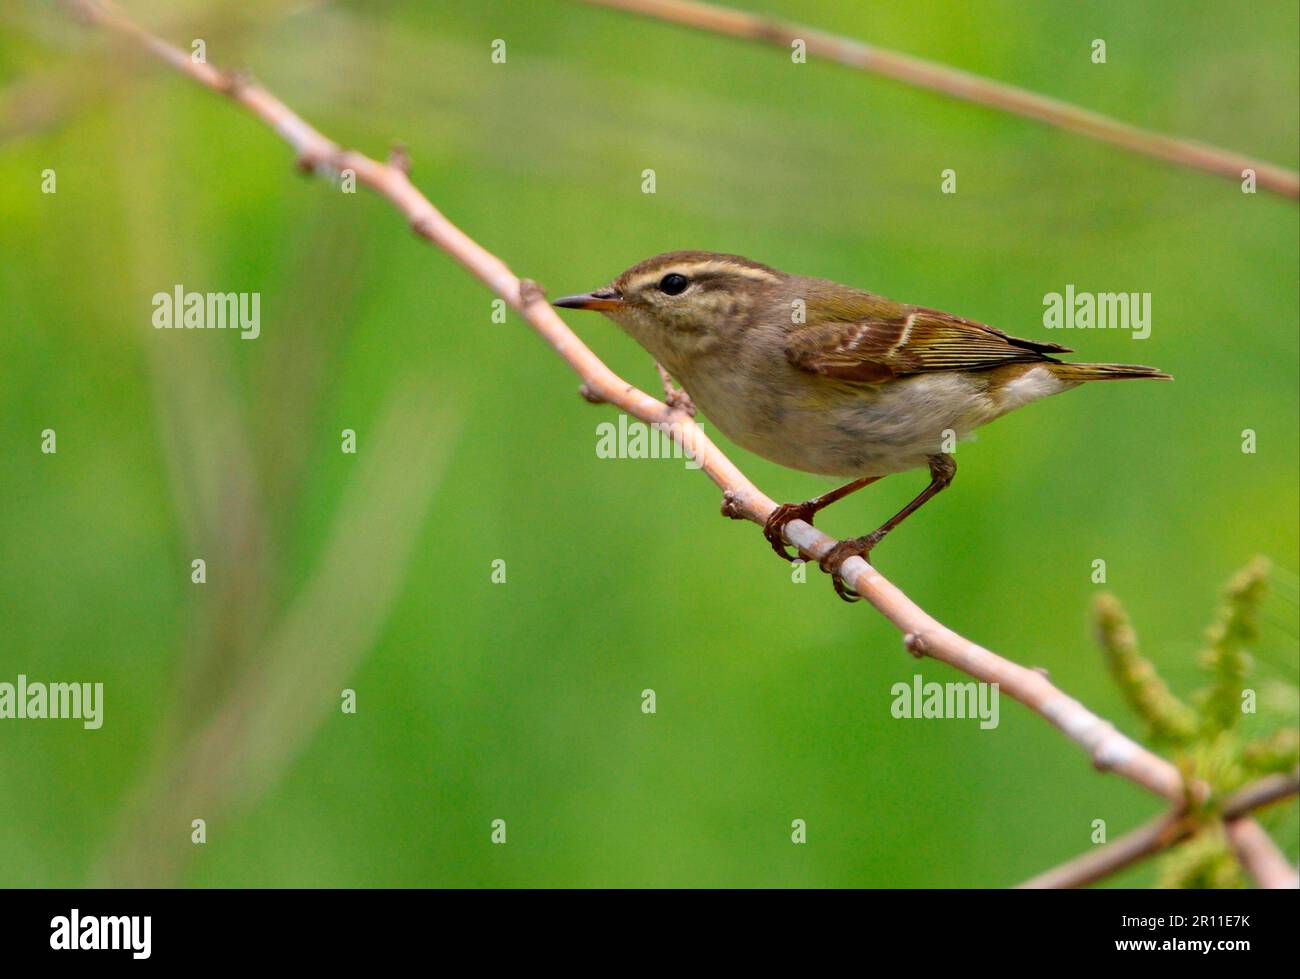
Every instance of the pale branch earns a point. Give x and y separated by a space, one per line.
1257 852
1175 826
962 85
923 635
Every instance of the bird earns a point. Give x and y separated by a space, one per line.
831 379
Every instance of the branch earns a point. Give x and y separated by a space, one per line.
1263 792
1175 826
1162 832
963 85
923 635
1257 852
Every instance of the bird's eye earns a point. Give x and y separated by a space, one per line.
674 283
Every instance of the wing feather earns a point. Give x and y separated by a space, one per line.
905 340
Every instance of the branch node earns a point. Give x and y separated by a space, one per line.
1106 753
530 292
399 159
235 80
423 227
773 31
731 506
588 394
914 643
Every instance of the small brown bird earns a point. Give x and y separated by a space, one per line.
829 379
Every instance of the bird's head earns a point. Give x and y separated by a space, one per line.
677 299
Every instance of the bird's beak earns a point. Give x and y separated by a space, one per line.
602 299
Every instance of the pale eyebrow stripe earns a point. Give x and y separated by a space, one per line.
701 268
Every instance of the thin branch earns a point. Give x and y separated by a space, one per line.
963 85
1260 793
1257 852
923 635
1173 827
1161 832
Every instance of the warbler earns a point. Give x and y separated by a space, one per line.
830 379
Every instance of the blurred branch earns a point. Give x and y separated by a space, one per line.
962 85
1178 824
1221 839
282 695
1263 792
923 635
1257 852
55 96
36 104
1162 832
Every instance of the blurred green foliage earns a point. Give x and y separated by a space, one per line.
1236 732
521 701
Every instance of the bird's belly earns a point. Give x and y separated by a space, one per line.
859 431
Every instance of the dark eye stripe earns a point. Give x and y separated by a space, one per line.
674 284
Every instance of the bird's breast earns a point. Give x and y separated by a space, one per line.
805 422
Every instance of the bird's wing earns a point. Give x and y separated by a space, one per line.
902 340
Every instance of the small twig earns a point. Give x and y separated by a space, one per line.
963 85
1260 793
1163 832
1109 749
1149 838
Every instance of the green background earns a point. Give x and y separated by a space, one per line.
521 701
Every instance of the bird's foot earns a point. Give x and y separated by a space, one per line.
841 552
675 397
776 521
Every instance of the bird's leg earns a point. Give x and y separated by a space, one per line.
942 470
783 514
675 397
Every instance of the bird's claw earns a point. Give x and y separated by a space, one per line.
776 521
841 552
680 400
675 397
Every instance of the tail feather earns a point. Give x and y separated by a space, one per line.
1076 373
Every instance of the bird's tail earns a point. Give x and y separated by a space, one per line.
1077 373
